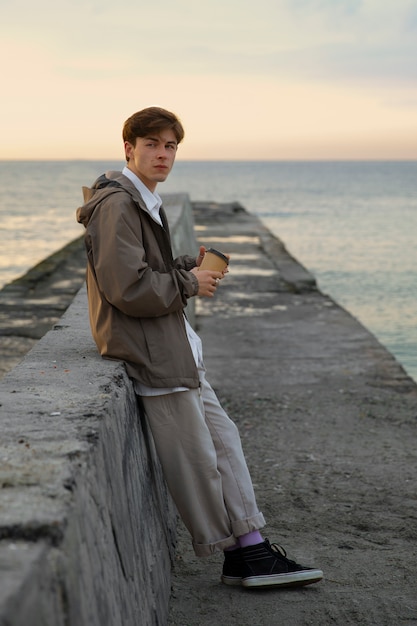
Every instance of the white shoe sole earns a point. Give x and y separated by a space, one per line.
291 579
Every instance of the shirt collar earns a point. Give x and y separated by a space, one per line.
152 201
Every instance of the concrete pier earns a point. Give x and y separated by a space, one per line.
328 421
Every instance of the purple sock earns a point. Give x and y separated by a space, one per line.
250 539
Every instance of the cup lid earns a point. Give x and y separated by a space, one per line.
220 254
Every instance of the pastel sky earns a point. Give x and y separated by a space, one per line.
250 79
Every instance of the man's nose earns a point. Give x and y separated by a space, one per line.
162 152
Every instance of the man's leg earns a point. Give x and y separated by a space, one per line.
238 492
189 462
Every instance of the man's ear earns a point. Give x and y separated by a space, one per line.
128 150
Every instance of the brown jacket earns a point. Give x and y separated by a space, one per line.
136 290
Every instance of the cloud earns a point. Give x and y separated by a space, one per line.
370 40
411 17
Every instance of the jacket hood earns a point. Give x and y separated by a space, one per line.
104 186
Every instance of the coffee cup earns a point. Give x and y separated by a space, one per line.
214 260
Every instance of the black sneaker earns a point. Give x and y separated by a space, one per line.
232 567
266 565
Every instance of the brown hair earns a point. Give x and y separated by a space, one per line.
151 120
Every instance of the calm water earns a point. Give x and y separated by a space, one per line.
352 224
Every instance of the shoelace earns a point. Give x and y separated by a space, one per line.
281 551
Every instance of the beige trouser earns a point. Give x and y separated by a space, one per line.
202 459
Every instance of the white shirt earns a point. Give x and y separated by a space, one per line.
153 203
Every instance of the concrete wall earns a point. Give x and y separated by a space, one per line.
87 529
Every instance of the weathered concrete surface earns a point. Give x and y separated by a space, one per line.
82 494
329 423
87 529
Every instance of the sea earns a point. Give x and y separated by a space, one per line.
353 224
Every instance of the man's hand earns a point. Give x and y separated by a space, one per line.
208 281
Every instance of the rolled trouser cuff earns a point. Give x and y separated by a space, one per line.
245 526
240 527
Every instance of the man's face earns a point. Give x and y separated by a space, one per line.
152 158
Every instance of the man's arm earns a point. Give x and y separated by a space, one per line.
123 275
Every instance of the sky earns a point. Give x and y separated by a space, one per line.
249 79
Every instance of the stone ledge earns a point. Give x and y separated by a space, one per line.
87 529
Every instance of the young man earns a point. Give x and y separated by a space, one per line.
137 294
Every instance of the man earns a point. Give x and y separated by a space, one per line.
137 294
